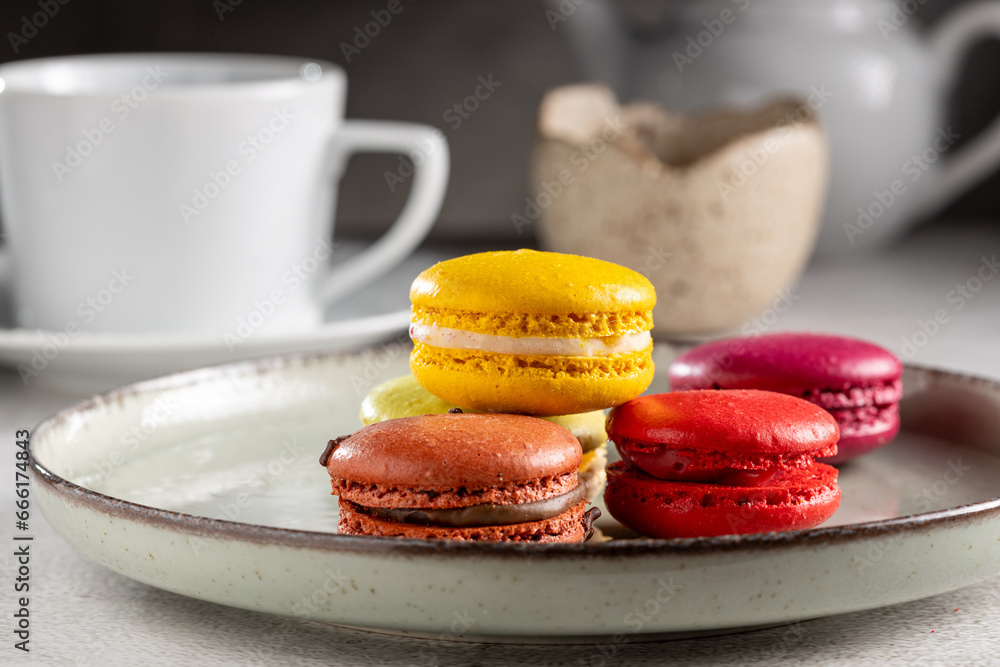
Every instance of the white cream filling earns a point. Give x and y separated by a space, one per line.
457 339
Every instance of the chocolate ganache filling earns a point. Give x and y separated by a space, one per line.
482 515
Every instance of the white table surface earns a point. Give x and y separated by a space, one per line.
82 614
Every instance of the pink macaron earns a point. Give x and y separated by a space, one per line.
858 382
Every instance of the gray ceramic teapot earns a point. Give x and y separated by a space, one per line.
879 86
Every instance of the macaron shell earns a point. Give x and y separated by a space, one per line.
884 393
399 397
516 324
567 527
472 451
654 461
738 421
588 427
534 385
592 472
863 430
403 396
855 380
529 281
785 362
657 508
451 496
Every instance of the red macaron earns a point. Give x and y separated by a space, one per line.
704 463
492 477
858 382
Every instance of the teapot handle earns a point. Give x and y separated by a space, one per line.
949 41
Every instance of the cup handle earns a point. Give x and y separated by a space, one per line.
949 41
430 180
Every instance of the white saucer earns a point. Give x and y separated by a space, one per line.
92 362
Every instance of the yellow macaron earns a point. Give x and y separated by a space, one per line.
404 397
531 332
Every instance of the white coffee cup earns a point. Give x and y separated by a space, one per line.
189 193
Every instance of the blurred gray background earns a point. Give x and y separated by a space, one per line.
427 59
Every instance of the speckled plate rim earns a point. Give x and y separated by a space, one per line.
204 526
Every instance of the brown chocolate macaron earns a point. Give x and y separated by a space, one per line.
488 477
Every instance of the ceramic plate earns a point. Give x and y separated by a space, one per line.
207 484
